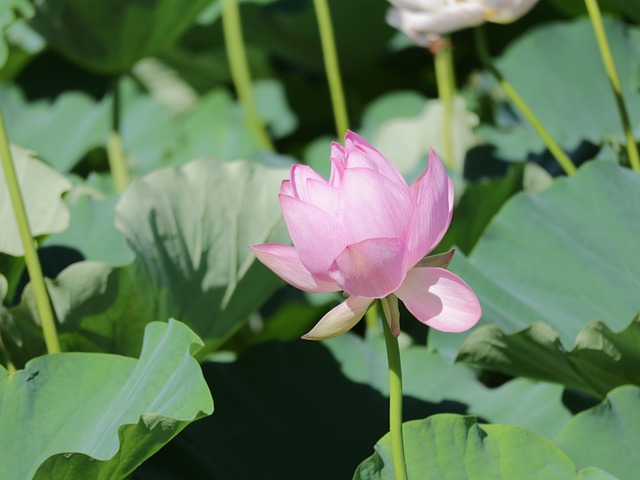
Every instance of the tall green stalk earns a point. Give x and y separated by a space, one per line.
446 92
332 67
240 75
115 151
610 67
395 393
555 149
41 296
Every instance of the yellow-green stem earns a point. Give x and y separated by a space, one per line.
371 319
40 294
610 67
115 151
446 92
395 401
239 66
555 149
332 67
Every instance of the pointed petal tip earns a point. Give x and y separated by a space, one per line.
340 319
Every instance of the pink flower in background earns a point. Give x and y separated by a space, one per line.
423 21
366 232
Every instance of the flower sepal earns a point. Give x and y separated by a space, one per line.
441 260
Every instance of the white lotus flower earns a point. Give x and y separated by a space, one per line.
423 21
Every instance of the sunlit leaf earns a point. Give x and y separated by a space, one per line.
607 435
452 447
82 415
42 189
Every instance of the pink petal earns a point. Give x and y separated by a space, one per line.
338 163
372 206
286 189
440 299
285 262
318 237
340 320
433 193
300 174
372 268
322 195
362 155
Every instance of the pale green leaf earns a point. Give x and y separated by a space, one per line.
42 189
87 415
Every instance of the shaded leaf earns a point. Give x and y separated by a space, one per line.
600 361
430 378
281 401
82 415
110 37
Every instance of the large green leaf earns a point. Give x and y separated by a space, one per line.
565 256
600 361
42 190
109 37
455 447
607 435
548 84
81 415
189 229
428 377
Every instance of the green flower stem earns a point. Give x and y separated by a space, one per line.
446 92
332 67
610 67
115 151
43 304
237 56
395 398
371 319
555 149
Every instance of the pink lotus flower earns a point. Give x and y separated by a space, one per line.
366 232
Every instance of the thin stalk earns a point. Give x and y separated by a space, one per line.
395 399
115 151
555 149
332 67
43 305
239 66
610 67
371 319
446 91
